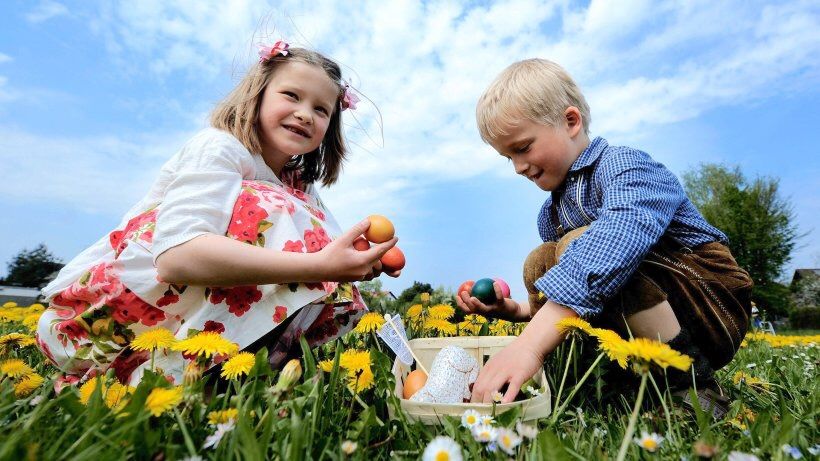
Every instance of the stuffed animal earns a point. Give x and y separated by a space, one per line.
540 260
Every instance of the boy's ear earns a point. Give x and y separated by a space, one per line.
575 122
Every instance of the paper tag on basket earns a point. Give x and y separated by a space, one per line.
452 373
394 335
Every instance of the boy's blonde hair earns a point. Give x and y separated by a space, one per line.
533 89
238 114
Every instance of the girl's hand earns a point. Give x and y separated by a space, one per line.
513 366
341 262
504 308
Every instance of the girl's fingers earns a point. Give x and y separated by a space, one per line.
355 231
378 250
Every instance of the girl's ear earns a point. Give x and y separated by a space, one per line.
575 123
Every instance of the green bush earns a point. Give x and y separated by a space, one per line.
807 318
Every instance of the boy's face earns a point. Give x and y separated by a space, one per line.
539 152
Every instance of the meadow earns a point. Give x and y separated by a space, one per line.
333 403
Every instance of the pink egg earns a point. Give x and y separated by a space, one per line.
505 289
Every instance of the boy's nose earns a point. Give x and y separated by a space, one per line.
520 167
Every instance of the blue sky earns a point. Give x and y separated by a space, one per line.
95 96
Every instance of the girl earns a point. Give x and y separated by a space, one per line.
232 236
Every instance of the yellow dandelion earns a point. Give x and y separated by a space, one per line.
573 324
475 318
355 360
238 365
648 351
15 368
9 304
442 311
223 416
15 339
206 344
414 311
115 396
158 338
443 327
161 400
468 327
88 388
359 380
749 380
30 321
27 385
326 365
371 321
612 345
424 298
500 328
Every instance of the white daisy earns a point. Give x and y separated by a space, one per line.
442 448
487 419
497 397
507 440
740 456
349 446
221 429
470 418
36 400
649 442
484 433
599 432
527 431
533 391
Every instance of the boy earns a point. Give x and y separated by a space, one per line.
647 261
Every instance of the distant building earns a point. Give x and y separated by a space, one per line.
23 296
803 274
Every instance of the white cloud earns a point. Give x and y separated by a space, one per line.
46 10
4 58
424 65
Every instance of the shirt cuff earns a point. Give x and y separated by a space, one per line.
560 286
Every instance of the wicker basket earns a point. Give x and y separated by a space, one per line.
481 347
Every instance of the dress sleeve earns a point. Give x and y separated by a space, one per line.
203 187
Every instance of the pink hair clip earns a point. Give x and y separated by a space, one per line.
349 99
267 52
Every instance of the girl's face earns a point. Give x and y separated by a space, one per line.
295 112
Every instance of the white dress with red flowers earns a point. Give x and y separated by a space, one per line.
111 292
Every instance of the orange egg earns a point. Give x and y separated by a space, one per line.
414 381
361 244
380 230
393 260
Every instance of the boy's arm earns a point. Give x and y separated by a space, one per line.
519 361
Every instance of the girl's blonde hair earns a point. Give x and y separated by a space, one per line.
238 114
535 89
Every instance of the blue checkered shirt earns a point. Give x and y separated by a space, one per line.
630 202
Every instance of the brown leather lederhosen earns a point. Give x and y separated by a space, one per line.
709 293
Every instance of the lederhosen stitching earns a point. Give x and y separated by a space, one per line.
714 298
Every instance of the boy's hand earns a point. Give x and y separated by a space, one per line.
504 308
519 361
513 365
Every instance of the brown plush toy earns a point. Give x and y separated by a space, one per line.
540 260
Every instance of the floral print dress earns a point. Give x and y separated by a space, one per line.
89 324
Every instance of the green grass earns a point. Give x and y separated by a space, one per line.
313 419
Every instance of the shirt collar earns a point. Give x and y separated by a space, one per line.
590 154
